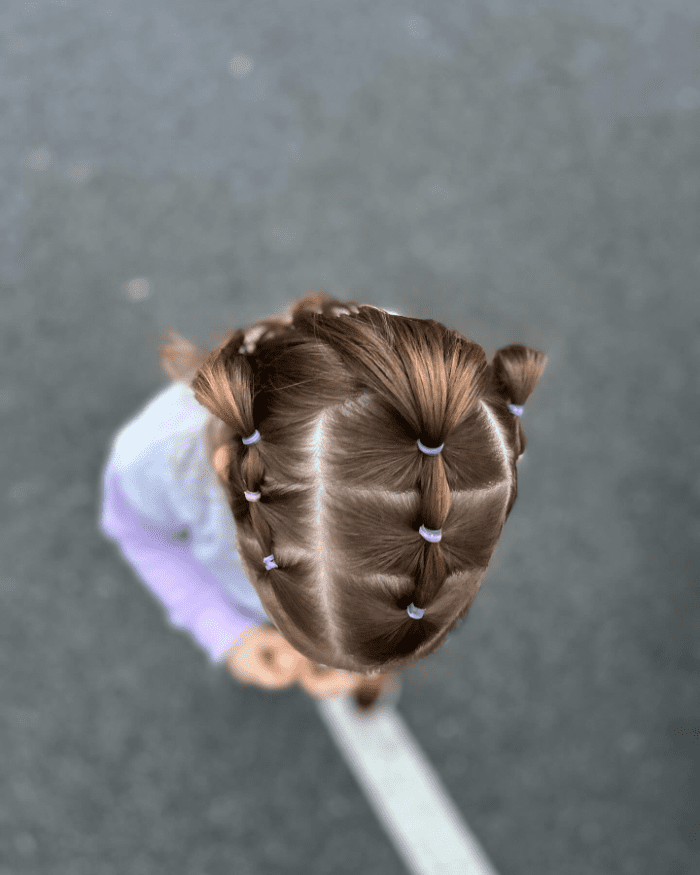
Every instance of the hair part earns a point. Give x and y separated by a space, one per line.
340 393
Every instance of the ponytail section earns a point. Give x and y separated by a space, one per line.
430 380
224 384
517 369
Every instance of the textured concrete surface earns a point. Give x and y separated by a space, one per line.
524 172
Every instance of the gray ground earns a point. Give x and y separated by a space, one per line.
524 172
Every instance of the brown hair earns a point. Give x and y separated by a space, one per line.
340 393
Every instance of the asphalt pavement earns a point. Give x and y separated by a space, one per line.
523 172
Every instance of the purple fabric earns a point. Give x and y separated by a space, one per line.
195 601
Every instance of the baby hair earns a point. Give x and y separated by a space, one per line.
340 395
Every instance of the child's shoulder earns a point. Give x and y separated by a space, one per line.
160 424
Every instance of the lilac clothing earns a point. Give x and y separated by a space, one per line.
164 507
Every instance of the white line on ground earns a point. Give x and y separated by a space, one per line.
414 807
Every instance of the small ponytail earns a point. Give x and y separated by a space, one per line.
517 369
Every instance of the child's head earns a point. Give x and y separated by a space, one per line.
340 395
